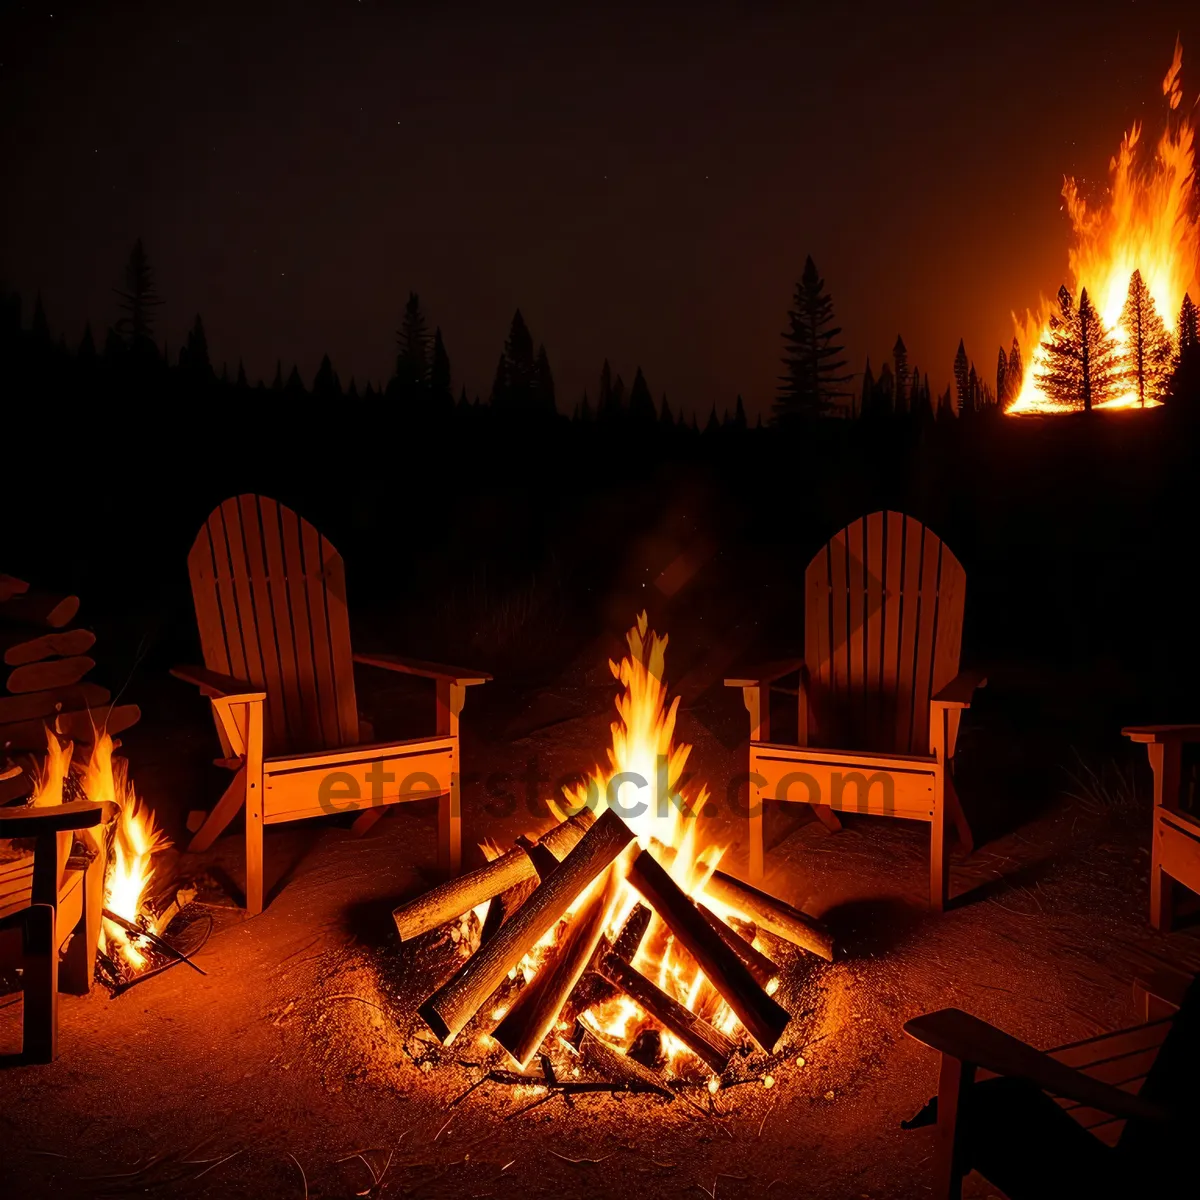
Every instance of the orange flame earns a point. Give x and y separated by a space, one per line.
1145 223
642 783
136 839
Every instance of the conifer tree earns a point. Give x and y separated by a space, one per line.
1002 377
439 375
618 395
515 389
605 409
814 380
412 352
295 385
544 383
885 391
739 415
1189 326
1148 349
866 405
665 417
241 375
641 403
1015 375
497 398
138 300
1185 378
1083 366
962 378
325 382
973 394
714 423
900 359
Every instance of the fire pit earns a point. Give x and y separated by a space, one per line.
614 942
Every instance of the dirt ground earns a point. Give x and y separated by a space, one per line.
296 1066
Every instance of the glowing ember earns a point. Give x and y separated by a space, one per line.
642 783
1145 223
135 840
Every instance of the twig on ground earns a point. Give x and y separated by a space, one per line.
303 1177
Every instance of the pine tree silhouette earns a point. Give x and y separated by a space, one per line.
1185 379
605 408
885 391
412 353
138 300
641 403
1083 366
544 400
714 423
1002 378
739 415
515 386
497 398
973 395
1189 325
439 375
946 408
1148 349
295 385
665 417
1015 375
618 396
900 359
962 377
241 375
325 382
813 383
866 406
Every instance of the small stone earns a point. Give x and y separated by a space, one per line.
800 1061
768 1081
828 1095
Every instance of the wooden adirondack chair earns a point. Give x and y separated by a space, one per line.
49 908
880 693
270 595
1096 1081
1175 849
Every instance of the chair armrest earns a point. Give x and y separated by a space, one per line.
766 673
32 821
1162 733
1164 984
462 676
214 684
958 692
971 1040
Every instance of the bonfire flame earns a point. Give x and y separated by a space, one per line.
135 840
642 783
1145 223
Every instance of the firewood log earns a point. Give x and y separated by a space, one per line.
501 907
454 897
620 1068
21 644
593 988
40 608
81 726
765 972
457 1001
10 586
45 704
54 673
763 1018
706 1041
536 1009
764 910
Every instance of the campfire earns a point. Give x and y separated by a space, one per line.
615 938
128 937
1146 222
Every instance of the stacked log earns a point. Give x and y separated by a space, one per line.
44 660
569 881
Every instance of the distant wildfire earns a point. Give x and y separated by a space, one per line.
1118 343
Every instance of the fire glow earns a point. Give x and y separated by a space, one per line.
644 748
1145 223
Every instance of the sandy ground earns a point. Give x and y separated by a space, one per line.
297 1066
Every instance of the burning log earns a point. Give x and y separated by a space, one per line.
764 1019
21 645
457 1001
53 673
760 966
620 1068
531 1018
593 988
765 911
702 1039
503 906
39 608
454 897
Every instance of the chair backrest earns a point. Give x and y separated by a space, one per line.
883 620
270 596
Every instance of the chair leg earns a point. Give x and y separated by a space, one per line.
79 963
962 828
1161 899
39 1039
954 1082
939 859
827 817
221 814
254 813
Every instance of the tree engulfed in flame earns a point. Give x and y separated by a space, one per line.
642 782
135 840
1146 222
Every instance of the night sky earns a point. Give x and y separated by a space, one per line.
643 181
